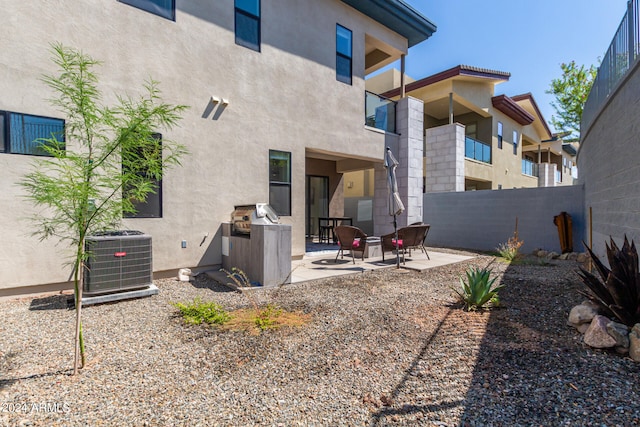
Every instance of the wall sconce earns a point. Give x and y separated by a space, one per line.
350 184
225 101
215 99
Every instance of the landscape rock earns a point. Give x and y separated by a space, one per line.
582 328
597 335
542 253
564 256
582 257
581 314
573 256
552 255
634 343
620 333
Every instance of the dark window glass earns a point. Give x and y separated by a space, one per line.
164 8
500 135
515 142
280 182
344 67
25 134
247 23
2 133
152 207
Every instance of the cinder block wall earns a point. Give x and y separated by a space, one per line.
482 220
609 165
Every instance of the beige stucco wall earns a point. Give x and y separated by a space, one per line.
285 97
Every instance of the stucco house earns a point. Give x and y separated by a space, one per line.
476 140
275 91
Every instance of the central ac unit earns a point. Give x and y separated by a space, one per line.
118 261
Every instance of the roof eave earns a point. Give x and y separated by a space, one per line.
398 16
509 107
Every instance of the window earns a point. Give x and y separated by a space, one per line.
152 207
247 23
515 142
280 182
343 54
500 135
24 133
164 8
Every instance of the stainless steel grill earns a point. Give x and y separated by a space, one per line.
245 215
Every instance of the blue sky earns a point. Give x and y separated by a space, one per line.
529 39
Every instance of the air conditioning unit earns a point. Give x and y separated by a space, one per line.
118 261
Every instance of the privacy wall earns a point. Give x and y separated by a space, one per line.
481 220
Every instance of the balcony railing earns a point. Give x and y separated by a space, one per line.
380 112
621 55
529 168
477 150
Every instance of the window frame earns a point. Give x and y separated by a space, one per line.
152 198
153 7
500 133
516 137
6 134
280 184
238 11
340 55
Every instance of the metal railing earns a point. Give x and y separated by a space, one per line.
530 168
477 150
621 55
380 112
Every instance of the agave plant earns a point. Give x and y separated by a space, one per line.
477 290
617 291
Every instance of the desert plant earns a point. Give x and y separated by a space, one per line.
617 291
266 317
198 311
509 250
113 159
477 290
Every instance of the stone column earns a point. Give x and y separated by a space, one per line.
409 152
445 158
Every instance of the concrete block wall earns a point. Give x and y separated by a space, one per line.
482 220
444 152
409 152
547 175
609 165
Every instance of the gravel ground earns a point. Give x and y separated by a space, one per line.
387 347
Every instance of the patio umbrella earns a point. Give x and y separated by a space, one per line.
395 203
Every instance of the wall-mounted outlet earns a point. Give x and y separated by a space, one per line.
184 244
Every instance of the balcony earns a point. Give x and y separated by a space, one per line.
477 150
380 112
529 168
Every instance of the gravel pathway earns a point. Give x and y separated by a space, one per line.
383 347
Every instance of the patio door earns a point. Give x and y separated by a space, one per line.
317 197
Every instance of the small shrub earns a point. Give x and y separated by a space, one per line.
477 289
617 291
266 318
198 311
509 250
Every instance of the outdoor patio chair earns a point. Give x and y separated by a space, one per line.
410 237
350 238
325 231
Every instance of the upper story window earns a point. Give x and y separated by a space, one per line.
25 134
280 182
500 135
164 8
247 23
515 142
344 46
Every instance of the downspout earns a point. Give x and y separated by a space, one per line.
450 108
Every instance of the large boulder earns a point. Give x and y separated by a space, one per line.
634 343
620 333
597 335
581 314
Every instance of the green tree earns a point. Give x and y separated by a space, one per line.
108 162
571 91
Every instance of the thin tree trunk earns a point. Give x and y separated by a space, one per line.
79 284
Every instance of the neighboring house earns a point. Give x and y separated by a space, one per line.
276 114
475 140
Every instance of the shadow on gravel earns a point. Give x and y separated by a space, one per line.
53 302
532 368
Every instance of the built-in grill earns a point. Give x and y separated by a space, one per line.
245 215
